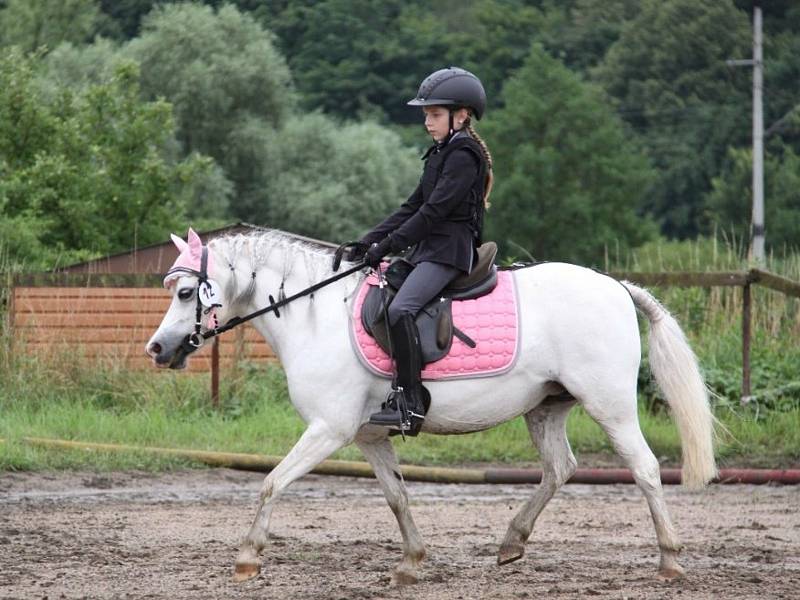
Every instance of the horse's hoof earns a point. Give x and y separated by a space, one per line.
403 577
671 574
508 554
245 571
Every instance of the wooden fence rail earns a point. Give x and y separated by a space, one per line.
713 279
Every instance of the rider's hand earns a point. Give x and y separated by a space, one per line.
377 251
357 252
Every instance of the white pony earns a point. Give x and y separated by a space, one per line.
579 345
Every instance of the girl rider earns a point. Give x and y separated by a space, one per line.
443 217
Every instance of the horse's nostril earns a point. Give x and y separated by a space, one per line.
154 349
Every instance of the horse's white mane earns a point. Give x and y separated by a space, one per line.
261 244
281 250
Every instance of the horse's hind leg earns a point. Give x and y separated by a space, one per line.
379 451
547 426
620 421
314 446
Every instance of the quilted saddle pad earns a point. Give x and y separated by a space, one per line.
491 321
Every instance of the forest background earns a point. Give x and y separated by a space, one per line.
620 136
612 122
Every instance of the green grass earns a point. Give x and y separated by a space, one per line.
171 410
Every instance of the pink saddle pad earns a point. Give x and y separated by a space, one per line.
492 321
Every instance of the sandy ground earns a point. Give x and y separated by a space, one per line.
135 535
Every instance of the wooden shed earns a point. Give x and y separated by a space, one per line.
107 309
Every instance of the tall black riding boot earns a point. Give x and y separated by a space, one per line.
405 408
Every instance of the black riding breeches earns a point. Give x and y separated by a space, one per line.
420 287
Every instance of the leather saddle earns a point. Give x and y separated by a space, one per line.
435 320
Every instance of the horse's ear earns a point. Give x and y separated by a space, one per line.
195 243
179 243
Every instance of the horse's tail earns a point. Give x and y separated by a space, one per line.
677 373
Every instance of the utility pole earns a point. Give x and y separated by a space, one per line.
758 142
757 254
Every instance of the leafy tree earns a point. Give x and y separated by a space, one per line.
580 32
782 71
31 24
730 200
668 77
232 102
347 56
491 38
367 57
335 182
568 180
79 66
88 172
123 17
222 73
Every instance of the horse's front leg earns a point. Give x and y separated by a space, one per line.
379 451
315 445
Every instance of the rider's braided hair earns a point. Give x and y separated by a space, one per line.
488 156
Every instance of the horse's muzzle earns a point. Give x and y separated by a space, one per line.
162 359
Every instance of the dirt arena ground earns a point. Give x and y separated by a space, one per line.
174 536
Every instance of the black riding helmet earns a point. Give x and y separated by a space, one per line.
452 87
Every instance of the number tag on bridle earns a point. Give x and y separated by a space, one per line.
209 294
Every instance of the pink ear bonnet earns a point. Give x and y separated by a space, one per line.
189 259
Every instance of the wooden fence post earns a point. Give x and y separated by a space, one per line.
215 373
746 325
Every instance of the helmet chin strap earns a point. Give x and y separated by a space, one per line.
450 129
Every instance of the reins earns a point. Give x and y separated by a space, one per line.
194 341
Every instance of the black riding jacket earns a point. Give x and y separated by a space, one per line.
444 214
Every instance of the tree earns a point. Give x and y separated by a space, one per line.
335 182
490 38
782 72
222 73
580 32
568 179
348 57
366 58
88 172
31 24
79 66
123 17
668 77
731 196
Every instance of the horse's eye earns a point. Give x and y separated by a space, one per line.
186 293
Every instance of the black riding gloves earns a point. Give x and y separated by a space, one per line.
377 251
356 252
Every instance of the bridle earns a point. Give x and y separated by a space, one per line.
195 340
204 286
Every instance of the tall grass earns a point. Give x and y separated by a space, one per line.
712 318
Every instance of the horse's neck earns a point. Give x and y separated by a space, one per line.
304 320
304 317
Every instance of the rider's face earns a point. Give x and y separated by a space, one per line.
437 121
